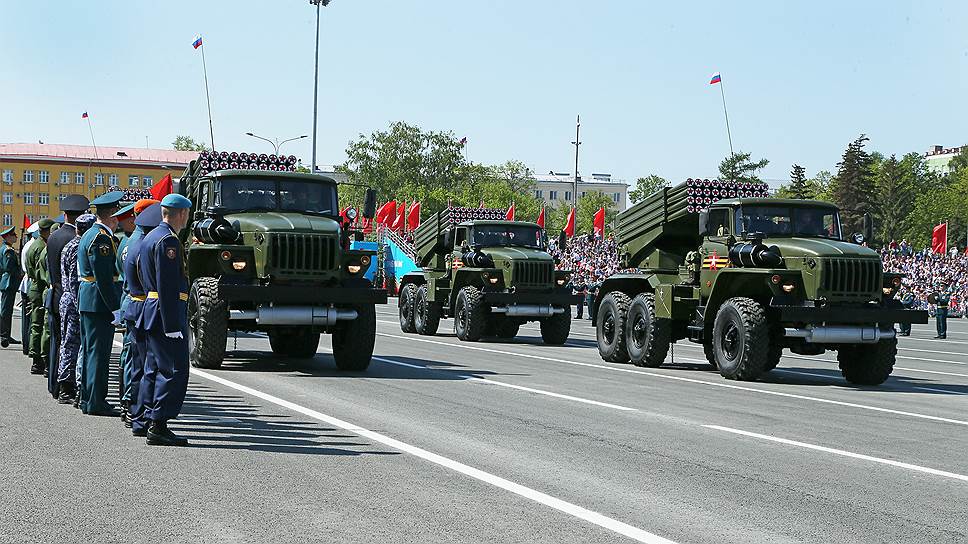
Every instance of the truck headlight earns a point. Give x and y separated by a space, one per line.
353 268
887 290
561 281
788 287
493 280
239 265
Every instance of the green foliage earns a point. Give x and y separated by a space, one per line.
187 143
739 167
645 187
959 162
798 187
588 206
821 184
893 200
946 202
853 187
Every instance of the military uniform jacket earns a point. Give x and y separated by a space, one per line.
132 302
162 274
38 282
9 268
96 270
55 249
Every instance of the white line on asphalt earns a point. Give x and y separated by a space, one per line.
930 351
861 456
476 379
931 371
571 509
935 389
909 338
687 380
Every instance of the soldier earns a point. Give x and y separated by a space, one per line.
72 206
164 319
125 219
38 283
9 282
942 298
69 371
147 219
907 302
97 302
25 309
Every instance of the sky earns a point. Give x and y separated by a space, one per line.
801 79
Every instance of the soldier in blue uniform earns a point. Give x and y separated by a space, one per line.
164 319
98 300
942 298
69 371
125 219
145 222
10 272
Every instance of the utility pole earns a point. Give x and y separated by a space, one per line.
317 3
576 143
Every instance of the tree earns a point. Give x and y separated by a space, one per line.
645 187
893 200
944 203
958 162
187 143
853 187
820 185
798 187
588 206
740 167
516 174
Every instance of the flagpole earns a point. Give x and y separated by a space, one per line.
90 127
208 100
726 115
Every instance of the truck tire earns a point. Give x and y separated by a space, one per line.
208 324
741 339
772 357
470 315
405 304
507 328
868 364
555 329
610 327
353 339
426 314
295 343
647 337
710 353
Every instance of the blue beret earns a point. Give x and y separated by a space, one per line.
149 217
7 231
176 201
108 200
60 219
74 203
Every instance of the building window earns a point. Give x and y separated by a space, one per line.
113 180
7 220
146 181
29 200
553 195
79 178
65 177
567 196
8 198
616 197
8 176
583 194
98 179
538 193
28 176
132 181
43 198
44 176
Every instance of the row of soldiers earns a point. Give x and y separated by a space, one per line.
79 281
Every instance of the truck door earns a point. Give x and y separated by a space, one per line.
456 261
715 248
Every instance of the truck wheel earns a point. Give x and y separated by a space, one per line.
507 328
710 353
426 314
470 315
405 303
647 337
208 324
773 357
555 329
867 364
741 339
295 343
353 339
610 327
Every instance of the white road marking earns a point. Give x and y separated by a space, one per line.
935 389
931 371
571 509
687 380
476 379
825 449
814 374
909 338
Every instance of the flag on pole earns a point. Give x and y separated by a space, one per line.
716 79
400 224
509 216
387 211
84 115
26 222
598 223
413 216
482 204
198 42
939 238
161 188
570 224
541 218
463 141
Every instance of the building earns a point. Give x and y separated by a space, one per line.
938 157
556 188
37 176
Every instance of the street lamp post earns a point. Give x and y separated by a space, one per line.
317 3
276 144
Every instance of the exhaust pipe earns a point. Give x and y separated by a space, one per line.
528 310
317 316
840 334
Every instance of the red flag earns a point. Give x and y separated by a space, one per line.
386 212
570 224
367 226
939 238
598 223
482 204
510 215
541 218
26 222
161 188
413 216
401 221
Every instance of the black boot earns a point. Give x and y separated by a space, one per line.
67 393
160 435
38 366
126 414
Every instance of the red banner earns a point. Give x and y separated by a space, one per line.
939 238
598 223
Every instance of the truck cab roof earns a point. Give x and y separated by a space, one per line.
774 202
292 176
493 222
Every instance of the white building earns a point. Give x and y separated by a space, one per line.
556 188
938 157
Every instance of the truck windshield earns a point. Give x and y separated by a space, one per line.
276 195
506 235
789 221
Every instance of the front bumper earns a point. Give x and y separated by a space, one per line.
553 298
848 314
301 295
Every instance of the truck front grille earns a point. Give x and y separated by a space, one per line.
851 277
533 274
301 254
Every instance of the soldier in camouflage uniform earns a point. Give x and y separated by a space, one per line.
69 372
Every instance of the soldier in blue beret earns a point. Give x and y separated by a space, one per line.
10 274
164 318
98 299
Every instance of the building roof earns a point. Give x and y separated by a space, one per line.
596 179
105 154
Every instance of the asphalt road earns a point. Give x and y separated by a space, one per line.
444 441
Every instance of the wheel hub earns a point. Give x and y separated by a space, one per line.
730 341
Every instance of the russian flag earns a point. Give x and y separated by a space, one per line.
716 79
198 42
84 115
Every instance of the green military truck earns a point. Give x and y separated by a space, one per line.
489 274
269 251
746 276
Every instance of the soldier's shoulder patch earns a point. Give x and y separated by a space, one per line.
104 249
170 252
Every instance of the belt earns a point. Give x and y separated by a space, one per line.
154 294
137 298
92 279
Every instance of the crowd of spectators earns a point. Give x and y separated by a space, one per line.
592 259
926 272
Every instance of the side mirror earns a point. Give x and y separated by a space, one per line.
868 227
858 238
369 204
704 223
447 239
562 240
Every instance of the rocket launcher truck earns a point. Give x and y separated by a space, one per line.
489 274
720 264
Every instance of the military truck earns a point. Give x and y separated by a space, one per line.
269 251
489 274
746 276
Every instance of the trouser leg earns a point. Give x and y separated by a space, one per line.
6 313
69 346
36 328
97 360
25 313
167 367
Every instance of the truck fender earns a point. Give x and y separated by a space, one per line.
630 284
416 278
464 277
751 283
